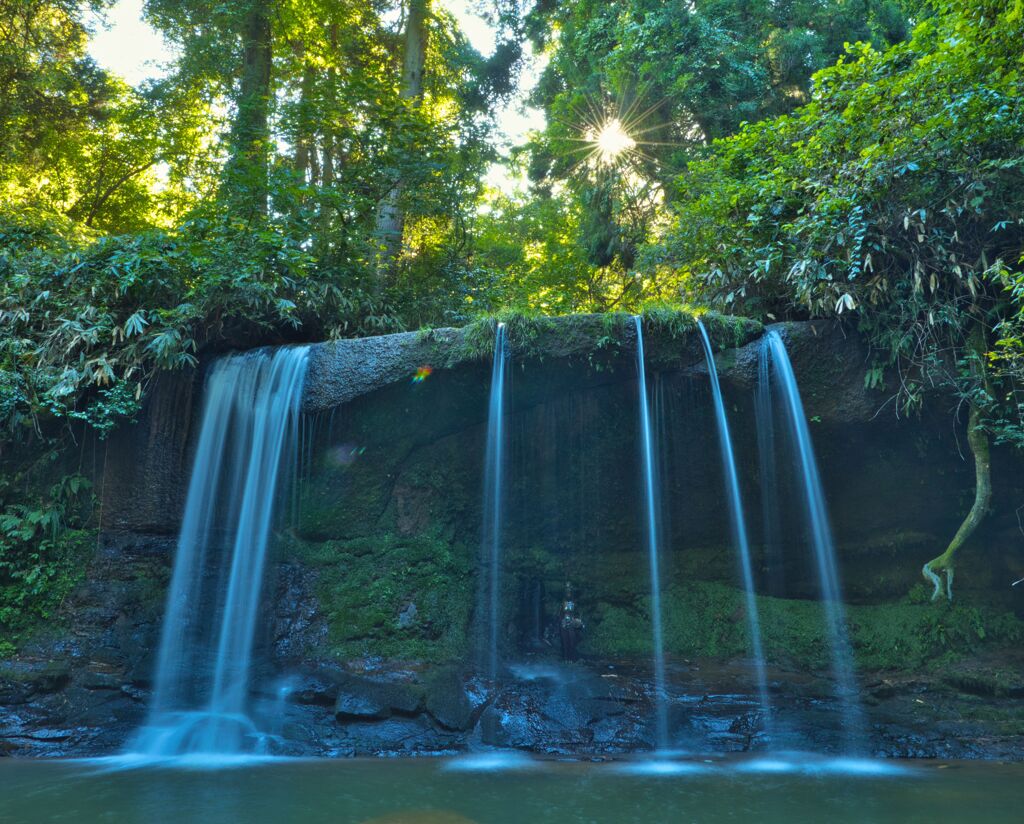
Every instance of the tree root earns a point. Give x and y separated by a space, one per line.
936 581
977 438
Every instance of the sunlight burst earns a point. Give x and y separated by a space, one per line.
611 140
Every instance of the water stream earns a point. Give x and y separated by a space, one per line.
767 452
737 522
820 532
653 543
494 468
248 439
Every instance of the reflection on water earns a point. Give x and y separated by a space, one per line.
492 762
779 788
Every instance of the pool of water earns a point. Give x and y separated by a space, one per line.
494 789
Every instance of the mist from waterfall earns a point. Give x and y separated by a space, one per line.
820 533
651 498
248 440
737 522
494 471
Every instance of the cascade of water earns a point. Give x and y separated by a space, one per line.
821 539
494 467
248 436
653 544
766 451
736 518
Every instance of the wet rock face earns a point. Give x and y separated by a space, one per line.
830 363
403 458
343 370
542 706
144 469
81 686
370 618
598 711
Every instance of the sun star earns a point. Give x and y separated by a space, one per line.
611 141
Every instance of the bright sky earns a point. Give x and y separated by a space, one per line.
128 46
131 48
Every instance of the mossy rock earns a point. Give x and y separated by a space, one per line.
707 619
402 598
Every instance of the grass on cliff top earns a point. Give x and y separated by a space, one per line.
532 335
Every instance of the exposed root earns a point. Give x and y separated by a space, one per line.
977 439
935 581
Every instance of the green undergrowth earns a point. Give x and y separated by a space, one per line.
365 585
36 578
705 619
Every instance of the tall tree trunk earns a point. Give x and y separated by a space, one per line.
304 127
248 168
327 174
390 218
977 439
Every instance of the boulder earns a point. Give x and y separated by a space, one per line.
446 699
360 697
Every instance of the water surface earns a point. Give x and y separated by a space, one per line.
765 789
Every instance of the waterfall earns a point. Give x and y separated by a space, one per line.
248 438
494 468
771 536
821 540
653 546
736 517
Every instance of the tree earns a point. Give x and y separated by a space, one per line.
676 75
893 197
389 216
76 141
246 177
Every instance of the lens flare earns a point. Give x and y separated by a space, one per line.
611 140
422 374
344 454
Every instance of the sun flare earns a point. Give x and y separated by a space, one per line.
611 141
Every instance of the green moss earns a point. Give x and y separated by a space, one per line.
706 619
668 320
365 584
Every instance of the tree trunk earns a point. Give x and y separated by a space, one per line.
390 218
327 173
248 169
977 439
304 128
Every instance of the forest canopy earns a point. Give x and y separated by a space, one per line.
316 168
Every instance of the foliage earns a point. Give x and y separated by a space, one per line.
77 141
86 325
894 195
676 75
42 550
